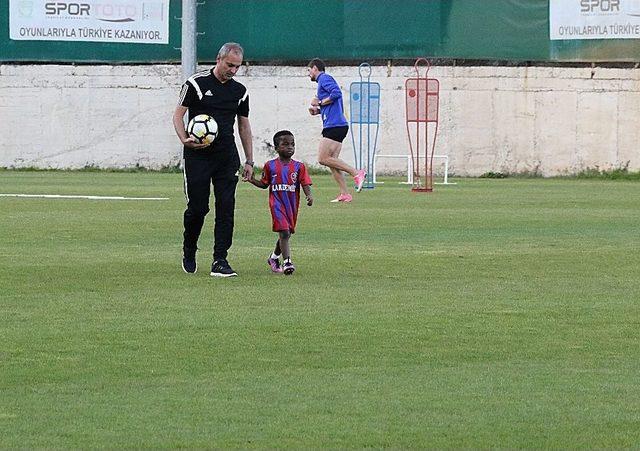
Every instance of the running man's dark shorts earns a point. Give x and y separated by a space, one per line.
336 133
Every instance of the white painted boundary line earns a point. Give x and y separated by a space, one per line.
63 196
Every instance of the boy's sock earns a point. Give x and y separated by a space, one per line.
274 256
287 260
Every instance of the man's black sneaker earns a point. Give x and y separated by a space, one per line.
221 268
189 264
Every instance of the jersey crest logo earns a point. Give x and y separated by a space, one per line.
294 177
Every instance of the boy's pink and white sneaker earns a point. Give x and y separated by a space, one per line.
359 179
274 263
343 198
289 268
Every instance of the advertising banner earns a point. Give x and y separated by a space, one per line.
123 21
594 19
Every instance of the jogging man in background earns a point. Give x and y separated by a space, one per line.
328 103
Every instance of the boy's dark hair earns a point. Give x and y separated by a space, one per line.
318 63
280 134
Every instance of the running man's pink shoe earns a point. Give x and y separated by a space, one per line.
343 198
359 179
274 263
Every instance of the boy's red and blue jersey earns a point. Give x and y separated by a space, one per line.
284 180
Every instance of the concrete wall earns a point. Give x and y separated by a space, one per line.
546 120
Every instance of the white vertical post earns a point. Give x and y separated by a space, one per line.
189 47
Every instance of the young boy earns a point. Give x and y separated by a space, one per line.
284 177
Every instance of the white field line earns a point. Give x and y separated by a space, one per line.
64 196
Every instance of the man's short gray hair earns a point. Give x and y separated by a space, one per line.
230 47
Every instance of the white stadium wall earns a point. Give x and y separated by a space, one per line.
545 120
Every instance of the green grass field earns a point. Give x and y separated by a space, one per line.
495 313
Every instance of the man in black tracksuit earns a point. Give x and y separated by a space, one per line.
214 92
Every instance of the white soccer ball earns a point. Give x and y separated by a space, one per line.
203 128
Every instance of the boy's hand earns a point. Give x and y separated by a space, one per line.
309 200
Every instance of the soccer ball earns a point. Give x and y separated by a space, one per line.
203 128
